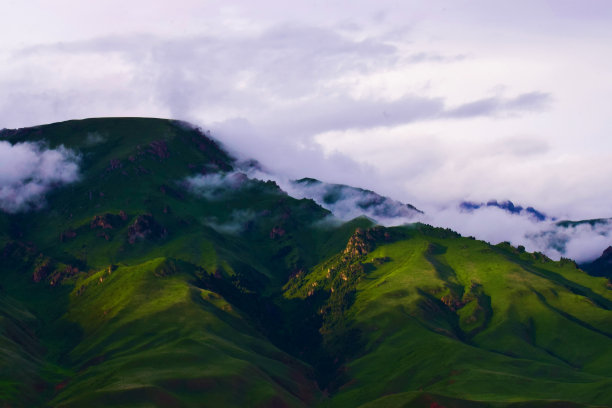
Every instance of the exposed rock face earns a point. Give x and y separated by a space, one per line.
364 241
67 235
159 148
277 232
145 227
43 268
61 274
115 164
452 302
106 221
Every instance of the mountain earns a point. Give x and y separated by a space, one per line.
140 267
348 202
508 206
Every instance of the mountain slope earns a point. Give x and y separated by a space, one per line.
441 315
349 202
601 266
165 277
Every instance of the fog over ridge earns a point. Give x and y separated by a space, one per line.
29 170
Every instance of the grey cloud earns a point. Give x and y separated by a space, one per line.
285 60
343 113
532 101
29 170
277 77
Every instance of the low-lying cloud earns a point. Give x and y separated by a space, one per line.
94 138
347 202
582 241
236 223
493 221
29 170
215 186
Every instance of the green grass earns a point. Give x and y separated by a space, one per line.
532 348
151 336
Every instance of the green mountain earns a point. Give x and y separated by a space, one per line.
164 277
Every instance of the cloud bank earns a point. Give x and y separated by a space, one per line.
29 170
579 241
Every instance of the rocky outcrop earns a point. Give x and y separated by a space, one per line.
42 268
107 221
115 164
67 235
145 227
159 149
277 232
363 241
63 273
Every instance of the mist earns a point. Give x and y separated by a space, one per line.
215 186
581 242
515 223
29 170
235 224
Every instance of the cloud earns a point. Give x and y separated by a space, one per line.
29 170
532 101
94 138
347 202
189 74
216 186
582 241
284 79
236 223
285 158
493 221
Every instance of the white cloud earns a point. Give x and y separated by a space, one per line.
215 186
29 170
236 223
581 242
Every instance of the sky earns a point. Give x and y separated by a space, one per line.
428 102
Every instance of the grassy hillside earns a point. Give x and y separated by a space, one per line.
446 316
166 277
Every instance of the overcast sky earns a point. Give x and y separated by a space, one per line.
425 101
